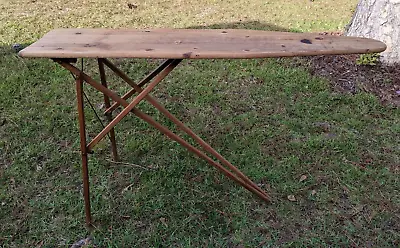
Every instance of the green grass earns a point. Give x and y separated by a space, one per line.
273 122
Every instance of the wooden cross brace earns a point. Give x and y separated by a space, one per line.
153 79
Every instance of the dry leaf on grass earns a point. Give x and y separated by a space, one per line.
302 178
82 243
163 221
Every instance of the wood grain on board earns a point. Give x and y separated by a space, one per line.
193 44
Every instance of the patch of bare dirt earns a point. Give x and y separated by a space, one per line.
348 77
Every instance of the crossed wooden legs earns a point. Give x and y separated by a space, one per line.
130 107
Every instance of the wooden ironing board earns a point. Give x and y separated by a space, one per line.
65 46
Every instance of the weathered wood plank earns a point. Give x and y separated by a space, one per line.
192 43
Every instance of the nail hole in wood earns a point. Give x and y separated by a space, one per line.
224 32
78 33
306 41
149 49
187 55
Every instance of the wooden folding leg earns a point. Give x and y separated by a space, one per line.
142 82
237 175
182 126
84 151
182 142
108 114
128 108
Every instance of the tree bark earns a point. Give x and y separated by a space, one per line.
379 19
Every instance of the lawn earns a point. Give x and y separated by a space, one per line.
336 154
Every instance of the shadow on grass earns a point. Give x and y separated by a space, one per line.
256 25
12 49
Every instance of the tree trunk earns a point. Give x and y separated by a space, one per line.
379 19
